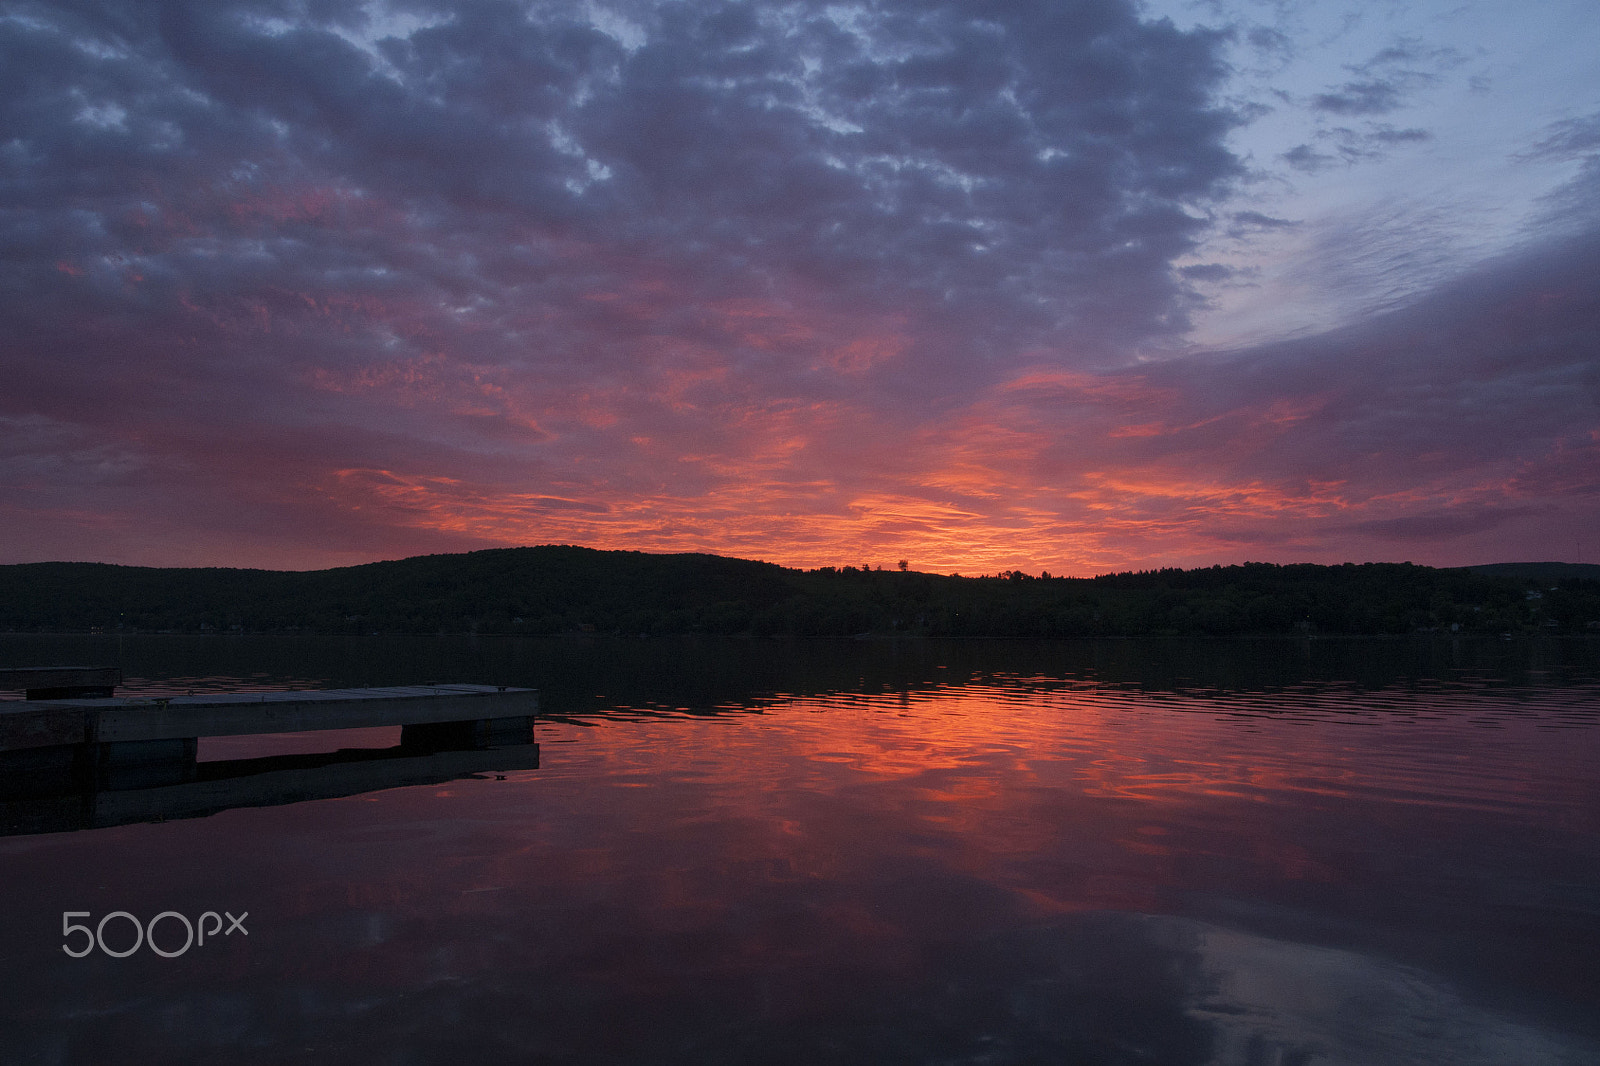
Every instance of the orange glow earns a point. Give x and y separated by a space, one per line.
784 426
708 464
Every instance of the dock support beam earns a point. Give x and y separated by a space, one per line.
470 735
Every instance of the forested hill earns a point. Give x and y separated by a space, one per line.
555 589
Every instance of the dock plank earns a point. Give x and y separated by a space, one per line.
62 682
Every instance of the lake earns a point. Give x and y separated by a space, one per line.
1278 853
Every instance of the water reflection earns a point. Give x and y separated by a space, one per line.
248 783
1270 1001
991 862
37 796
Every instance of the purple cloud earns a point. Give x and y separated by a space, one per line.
310 283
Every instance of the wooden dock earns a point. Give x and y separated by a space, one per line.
61 682
88 762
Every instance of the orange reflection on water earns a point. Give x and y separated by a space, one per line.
1084 798
824 861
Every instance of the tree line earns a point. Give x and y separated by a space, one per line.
560 588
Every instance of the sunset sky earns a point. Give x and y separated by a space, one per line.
1074 285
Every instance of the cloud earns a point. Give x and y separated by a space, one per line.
1352 146
1373 97
1440 525
1384 83
319 282
1032 169
1472 410
1568 139
1574 205
1271 42
1245 221
1384 134
1405 54
1208 272
1305 158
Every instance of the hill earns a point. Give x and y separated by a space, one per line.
561 588
1542 572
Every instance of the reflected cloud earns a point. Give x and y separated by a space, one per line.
1277 1001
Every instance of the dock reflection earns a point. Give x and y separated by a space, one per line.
84 786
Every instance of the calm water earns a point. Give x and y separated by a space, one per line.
839 852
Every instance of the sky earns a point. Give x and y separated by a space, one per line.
1064 285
